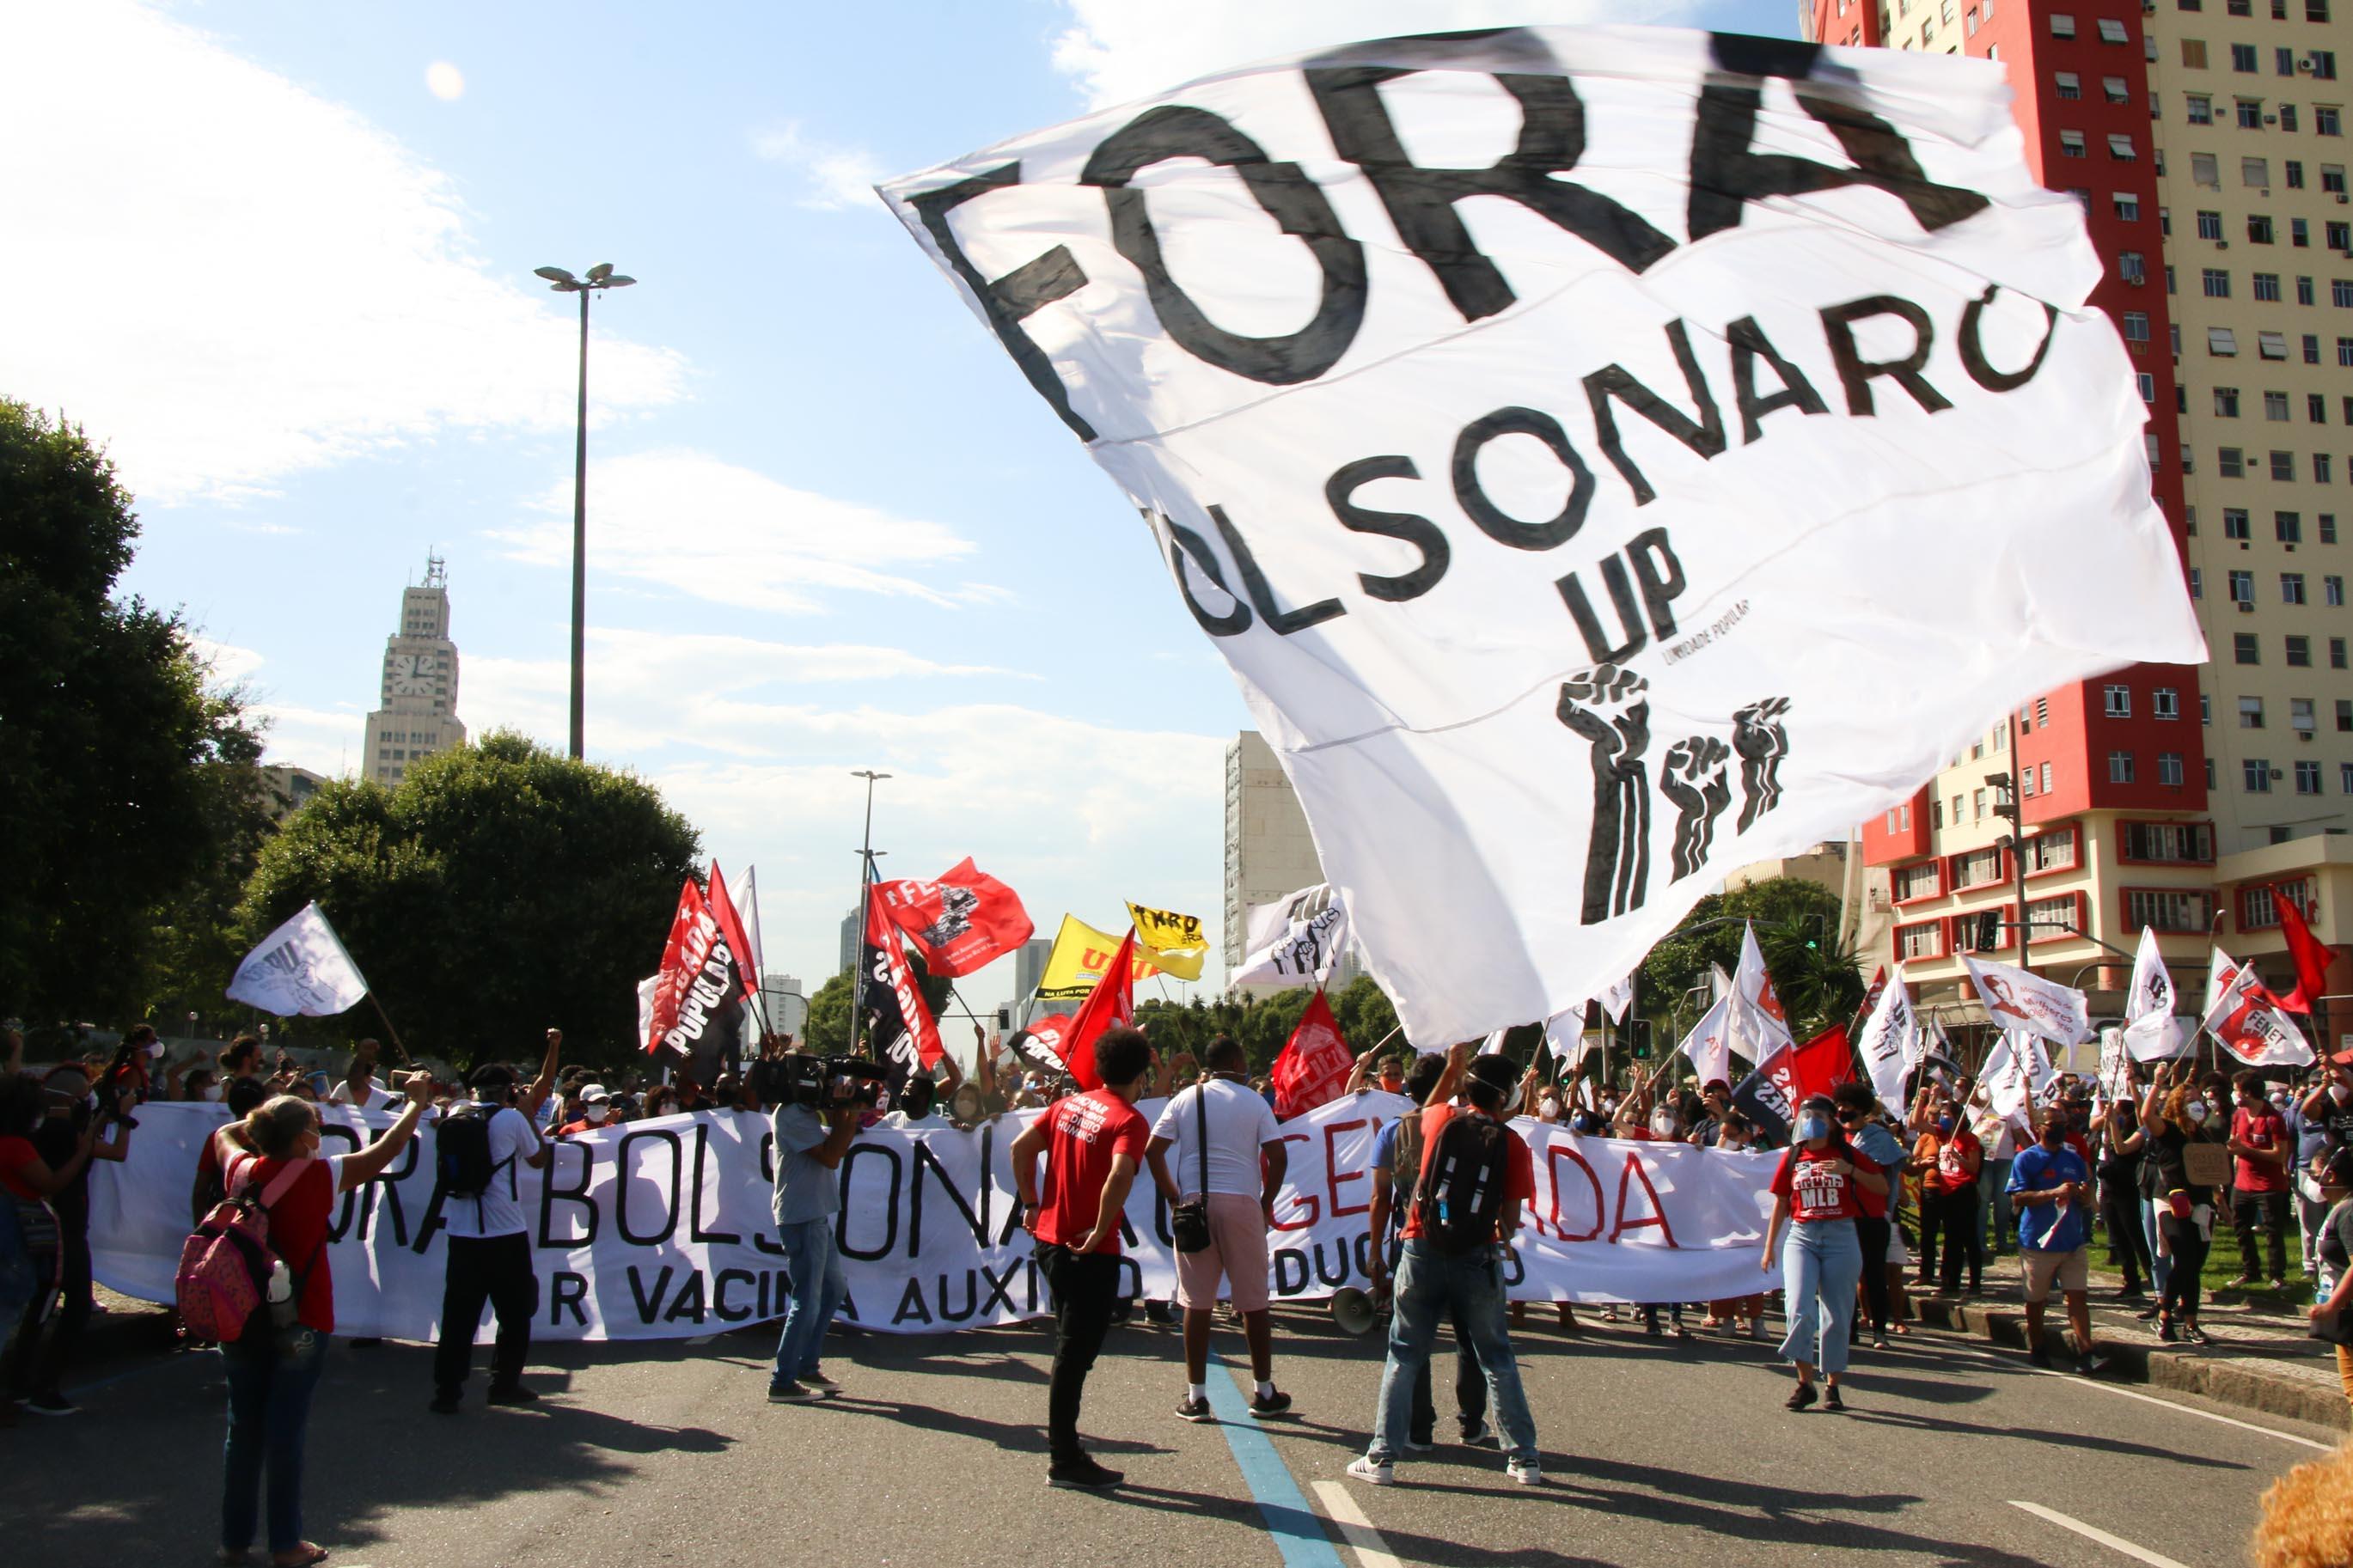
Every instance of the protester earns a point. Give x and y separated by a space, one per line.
2307 1126
1474 1175
1094 1144
2329 1310
2050 1186
1996 1226
1735 1134
596 1111
1396 1168
54 1322
490 1246
810 1141
918 1107
1228 1151
32 1185
1815 1189
2173 1117
357 1087
241 1058
273 1370
1951 1190
2119 1171
2262 1191
1857 1114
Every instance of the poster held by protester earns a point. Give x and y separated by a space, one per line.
300 969
1599 461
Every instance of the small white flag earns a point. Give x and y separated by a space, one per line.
1618 998
300 969
2014 1000
1890 1041
1564 1033
1493 1044
1709 1044
2151 1032
1293 937
1759 1025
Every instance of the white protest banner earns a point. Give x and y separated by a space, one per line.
1298 939
1531 405
1890 1042
2015 999
661 1229
300 968
2151 1032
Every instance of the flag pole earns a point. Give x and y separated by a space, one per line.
386 1019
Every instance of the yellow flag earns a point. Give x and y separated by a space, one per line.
1080 956
1178 943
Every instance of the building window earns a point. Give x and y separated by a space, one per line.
2345 715
2332 591
2046 778
2251 712
2337 653
2267 291
2216 281
2326 522
2165 702
2112 31
2294 173
2271 345
1981 931
1976 805
2307 778
2132 267
2116 702
2196 583
2300 715
2316 412
2255 172
2168 768
2327 119
2070 86
2054 851
2168 909
1919 881
2070 145
2251 114
2041 712
2291 587
2284 468
2321 467
2120 767
2120 147
2340 293
2255 776
2243 59
2137 327
2287 526
2202 109
2299 652
2244 649
2147 384
2168 843
2234 526
2127 206
2114 87
2206 170
2332 178
2193 53
2231 462
2287 117
1977 868
2276 407
1922 941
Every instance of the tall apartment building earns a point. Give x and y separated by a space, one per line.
1269 850
418 715
2205 142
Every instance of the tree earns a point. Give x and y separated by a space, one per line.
129 795
827 1030
500 890
1798 933
1365 1016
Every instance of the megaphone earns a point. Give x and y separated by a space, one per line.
1354 1312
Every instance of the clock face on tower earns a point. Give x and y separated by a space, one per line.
410 674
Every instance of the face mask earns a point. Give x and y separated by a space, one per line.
212 1092
1945 1126
2340 1093
1812 1126
2196 1111
1548 1111
155 1048
593 1114
1663 1125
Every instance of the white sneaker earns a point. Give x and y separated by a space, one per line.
1480 1433
1526 1473
1371 1474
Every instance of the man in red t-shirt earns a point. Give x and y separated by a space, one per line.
1093 1145
1952 1186
2259 1204
1475 1173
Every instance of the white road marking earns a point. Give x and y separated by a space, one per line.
1357 1529
2080 1381
2094 1532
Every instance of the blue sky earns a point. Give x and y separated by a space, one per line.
830 527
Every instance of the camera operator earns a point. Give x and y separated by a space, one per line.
487 1142
814 1130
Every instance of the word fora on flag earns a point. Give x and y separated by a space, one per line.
662 1229
1752 318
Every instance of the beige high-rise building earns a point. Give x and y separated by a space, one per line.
1269 850
418 715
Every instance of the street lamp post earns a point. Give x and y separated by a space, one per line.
865 888
600 276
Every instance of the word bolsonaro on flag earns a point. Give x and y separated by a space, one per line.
1544 422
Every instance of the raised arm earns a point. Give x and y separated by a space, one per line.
1362 1071
1458 1062
361 1168
535 1098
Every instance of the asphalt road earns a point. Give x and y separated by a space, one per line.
1656 1453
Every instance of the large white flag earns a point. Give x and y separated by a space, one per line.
1296 939
1890 1042
2245 1015
1564 1033
300 968
1544 422
2015 999
2151 1033
1759 1025
1709 1044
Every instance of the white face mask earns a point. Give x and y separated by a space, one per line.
2196 1111
155 1048
592 1114
212 1092
1663 1124
2340 1093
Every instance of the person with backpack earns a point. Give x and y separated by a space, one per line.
480 1148
1817 1192
1475 1173
1396 1168
281 1188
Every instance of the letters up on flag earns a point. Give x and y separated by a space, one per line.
1560 540
300 969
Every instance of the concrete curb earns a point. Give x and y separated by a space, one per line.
2239 1381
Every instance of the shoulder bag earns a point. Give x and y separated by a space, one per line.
1188 1222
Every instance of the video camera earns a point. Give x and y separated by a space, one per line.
818 1082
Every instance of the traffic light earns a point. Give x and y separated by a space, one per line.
1812 926
1637 1039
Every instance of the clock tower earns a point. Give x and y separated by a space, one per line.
418 711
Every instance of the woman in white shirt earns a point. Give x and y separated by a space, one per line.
358 1087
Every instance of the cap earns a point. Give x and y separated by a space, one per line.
592 1092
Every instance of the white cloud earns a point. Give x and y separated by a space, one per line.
232 280
726 533
833 177
1121 50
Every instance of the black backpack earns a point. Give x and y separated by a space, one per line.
1405 1165
461 1152
1463 1196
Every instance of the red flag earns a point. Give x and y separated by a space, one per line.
1822 1063
896 977
1314 1065
959 922
731 926
1041 1042
2310 955
1111 1003
695 945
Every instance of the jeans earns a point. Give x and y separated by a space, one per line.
35 1358
486 1269
1085 1284
1932 1221
813 1264
2160 1265
1469 1391
1871 1235
2120 1212
1959 1214
2261 1216
2189 1242
269 1410
1997 1228
1821 1263
1431 1286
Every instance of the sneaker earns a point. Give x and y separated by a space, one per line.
444 1403
51 1405
789 1392
2132 1293
1192 1409
513 1394
2041 1356
1477 1433
1265 1404
818 1380
1161 1312
2089 1365
1381 1474
1082 1474
2148 1313
1804 1396
2196 1335
1831 1402
1879 1341
1524 1472
1420 1445
2244 1282
2165 1332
